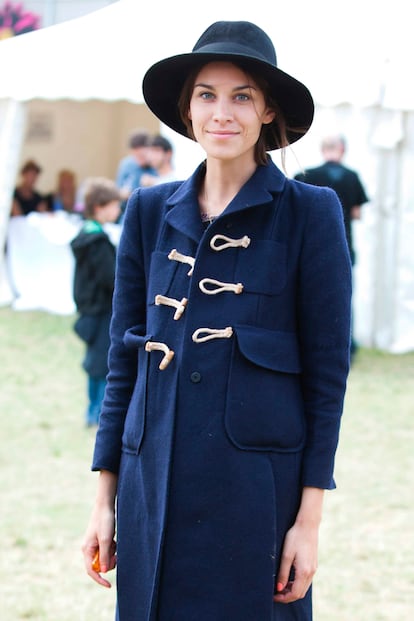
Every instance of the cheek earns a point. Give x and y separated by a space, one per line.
197 112
255 127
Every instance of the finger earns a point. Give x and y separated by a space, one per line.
94 570
104 554
112 556
298 589
107 556
294 590
99 579
92 565
283 596
284 572
89 551
302 582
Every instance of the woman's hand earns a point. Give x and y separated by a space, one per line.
99 547
300 552
300 549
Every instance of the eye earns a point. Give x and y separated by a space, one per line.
206 95
242 97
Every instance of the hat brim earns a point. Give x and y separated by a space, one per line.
163 83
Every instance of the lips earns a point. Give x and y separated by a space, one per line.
222 134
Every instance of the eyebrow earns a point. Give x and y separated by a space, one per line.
236 88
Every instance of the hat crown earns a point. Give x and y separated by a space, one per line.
238 38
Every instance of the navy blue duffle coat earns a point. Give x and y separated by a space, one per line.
212 450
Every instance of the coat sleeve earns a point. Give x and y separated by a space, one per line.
129 309
324 308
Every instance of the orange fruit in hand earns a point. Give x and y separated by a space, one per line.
95 563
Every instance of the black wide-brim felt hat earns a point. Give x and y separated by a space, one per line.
246 45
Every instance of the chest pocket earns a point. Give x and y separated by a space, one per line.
262 268
264 407
161 275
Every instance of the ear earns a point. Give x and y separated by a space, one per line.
189 114
268 116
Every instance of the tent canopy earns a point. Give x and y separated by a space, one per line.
346 52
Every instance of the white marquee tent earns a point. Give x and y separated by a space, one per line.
354 57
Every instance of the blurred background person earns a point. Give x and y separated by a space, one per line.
64 196
346 183
133 166
25 197
160 157
95 257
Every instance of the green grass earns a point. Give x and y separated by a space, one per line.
367 538
46 488
367 554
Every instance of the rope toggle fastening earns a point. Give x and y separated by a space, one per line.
211 333
179 305
174 255
236 288
228 242
168 353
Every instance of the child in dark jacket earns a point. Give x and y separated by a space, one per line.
93 286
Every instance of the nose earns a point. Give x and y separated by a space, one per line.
222 110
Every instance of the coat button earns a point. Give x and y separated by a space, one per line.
195 377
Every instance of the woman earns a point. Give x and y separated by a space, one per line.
229 355
25 197
64 196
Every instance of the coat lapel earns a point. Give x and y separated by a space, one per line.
183 213
260 189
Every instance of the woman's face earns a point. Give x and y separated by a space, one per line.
227 111
29 178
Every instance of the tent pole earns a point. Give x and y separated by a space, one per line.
12 114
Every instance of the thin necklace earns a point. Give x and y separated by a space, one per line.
206 217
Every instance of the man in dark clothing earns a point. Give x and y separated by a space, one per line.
346 183
93 286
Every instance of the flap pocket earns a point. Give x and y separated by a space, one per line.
264 407
270 349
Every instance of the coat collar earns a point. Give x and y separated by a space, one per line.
260 189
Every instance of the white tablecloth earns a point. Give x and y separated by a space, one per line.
40 263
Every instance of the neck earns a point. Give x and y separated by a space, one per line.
98 218
221 184
26 189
